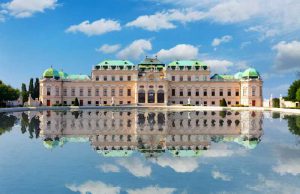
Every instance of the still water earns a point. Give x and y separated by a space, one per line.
149 151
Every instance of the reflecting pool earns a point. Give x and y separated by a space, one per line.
149 151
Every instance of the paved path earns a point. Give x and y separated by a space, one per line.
177 108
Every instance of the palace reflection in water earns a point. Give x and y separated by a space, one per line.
152 132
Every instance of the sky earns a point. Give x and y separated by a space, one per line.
75 35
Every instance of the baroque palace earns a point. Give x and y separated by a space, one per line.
120 82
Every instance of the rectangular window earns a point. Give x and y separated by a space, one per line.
104 102
181 102
89 102
197 92
113 78
213 93
173 92
48 91
65 92
181 92
181 78
73 92
189 92
128 102
105 78
213 102
237 92
89 92
104 92
97 92
189 78
121 78
197 102
129 78
253 90
229 92
229 102
112 92
65 102
221 92
205 103
237 102
97 103
121 102
205 92
120 92
57 91
81 92
173 78
173 102
128 92
97 78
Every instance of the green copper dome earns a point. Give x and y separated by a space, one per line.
63 75
250 73
51 73
238 75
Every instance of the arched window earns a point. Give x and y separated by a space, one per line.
141 98
160 96
151 96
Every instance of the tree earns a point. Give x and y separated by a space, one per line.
298 95
76 102
7 93
24 93
36 90
293 89
223 102
276 102
31 88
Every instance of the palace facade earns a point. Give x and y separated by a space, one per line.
120 82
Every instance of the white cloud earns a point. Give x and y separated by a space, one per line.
97 27
276 16
26 8
178 164
265 185
265 32
179 52
218 175
245 44
288 161
106 48
135 166
223 150
152 190
135 50
94 187
219 66
108 168
165 20
223 39
287 56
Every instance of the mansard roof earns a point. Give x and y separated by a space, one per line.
151 61
78 77
188 63
115 63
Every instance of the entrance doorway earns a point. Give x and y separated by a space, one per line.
253 102
48 103
81 103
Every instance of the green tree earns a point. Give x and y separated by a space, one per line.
293 123
31 87
298 95
276 102
36 90
76 102
293 89
223 102
24 93
7 93
6 122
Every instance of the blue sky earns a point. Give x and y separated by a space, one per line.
74 35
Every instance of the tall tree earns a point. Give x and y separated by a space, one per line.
7 93
36 88
24 93
31 87
293 89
